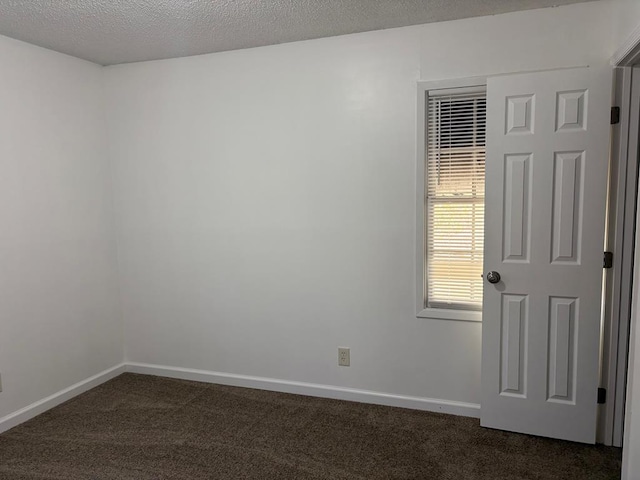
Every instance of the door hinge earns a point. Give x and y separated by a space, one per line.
602 395
615 115
608 260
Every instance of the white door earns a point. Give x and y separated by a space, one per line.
546 182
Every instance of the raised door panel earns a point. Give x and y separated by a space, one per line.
563 329
567 206
517 204
513 345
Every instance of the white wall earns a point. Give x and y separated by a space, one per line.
626 19
266 200
60 320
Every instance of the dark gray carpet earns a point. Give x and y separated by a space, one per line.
144 427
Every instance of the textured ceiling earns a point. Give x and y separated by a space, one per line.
120 31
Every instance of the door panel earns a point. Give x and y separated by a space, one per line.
567 206
546 179
514 337
517 207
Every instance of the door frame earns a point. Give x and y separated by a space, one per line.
623 194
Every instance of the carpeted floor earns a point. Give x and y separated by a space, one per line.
144 427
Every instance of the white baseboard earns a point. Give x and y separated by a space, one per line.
262 383
51 401
310 389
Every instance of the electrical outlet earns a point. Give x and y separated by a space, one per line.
344 357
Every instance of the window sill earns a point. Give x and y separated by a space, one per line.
446 314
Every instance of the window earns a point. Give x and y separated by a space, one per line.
453 202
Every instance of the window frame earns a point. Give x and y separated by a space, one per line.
422 311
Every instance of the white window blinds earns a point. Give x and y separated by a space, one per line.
456 125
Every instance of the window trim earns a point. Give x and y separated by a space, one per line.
421 285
